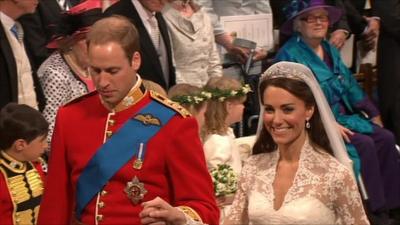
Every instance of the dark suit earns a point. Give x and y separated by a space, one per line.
355 12
151 66
39 28
388 61
9 77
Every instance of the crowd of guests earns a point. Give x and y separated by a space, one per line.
128 102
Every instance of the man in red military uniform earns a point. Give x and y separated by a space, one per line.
125 155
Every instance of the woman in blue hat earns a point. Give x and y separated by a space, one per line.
357 118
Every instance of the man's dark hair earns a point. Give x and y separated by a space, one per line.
19 121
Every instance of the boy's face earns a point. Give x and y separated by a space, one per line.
34 149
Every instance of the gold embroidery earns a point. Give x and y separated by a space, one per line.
133 96
18 189
36 213
148 119
35 182
24 217
171 104
13 165
191 213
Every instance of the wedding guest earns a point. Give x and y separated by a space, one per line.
357 117
193 45
23 132
64 76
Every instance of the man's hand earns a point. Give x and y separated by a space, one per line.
240 53
371 34
338 38
158 211
260 54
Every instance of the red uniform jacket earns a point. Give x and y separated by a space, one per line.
8 213
174 166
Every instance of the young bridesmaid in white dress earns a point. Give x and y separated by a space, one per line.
225 108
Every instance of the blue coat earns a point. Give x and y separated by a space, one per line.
343 93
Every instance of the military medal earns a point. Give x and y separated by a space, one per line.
137 164
135 190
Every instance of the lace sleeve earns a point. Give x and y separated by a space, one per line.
347 199
239 211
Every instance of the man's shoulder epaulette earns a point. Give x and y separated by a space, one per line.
80 98
171 104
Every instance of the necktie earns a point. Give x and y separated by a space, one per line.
17 34
155 32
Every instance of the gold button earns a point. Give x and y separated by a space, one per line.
109 133
111 122
101 205
103 192
99 218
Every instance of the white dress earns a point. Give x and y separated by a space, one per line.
323 192
221 149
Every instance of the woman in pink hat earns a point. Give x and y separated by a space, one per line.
357 117
63 76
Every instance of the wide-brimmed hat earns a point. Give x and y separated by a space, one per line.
297 7
76 21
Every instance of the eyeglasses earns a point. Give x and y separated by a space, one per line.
313 19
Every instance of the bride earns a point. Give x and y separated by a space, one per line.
292 177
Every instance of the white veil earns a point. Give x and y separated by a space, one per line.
300 72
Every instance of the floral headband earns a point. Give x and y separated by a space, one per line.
222 95
193 99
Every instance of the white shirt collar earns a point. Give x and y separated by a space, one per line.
7 21
144 14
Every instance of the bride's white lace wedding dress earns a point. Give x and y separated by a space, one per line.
323 192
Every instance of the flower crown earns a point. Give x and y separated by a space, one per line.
193 99
222 95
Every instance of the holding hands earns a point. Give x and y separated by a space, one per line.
158 211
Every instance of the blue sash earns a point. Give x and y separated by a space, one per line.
117 151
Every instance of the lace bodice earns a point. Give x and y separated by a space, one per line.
323 192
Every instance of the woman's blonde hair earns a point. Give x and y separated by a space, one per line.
216 112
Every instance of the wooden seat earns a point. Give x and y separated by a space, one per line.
367 78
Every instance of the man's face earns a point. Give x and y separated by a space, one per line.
26 6
112 72
153 5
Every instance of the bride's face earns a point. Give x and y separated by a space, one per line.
285 115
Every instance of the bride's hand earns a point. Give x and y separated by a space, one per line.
345 132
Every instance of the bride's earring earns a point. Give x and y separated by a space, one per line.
308 124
